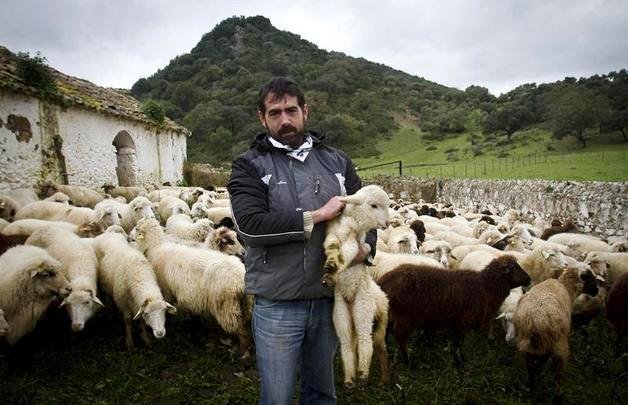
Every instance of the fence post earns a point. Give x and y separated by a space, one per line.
454 176
400 168
485 167
441 172
465 170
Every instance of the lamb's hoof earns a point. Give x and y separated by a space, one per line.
330 266
349 385
328 280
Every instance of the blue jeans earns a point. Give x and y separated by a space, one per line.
289 334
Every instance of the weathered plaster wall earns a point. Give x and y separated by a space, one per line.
597 207
88 152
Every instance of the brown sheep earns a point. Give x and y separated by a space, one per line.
432 298
543 322
617 306
555 229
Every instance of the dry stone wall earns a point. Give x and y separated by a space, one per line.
596 207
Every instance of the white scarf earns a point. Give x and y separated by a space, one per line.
299 153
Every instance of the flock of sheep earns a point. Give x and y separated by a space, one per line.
435 268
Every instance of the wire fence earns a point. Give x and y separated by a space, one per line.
511 166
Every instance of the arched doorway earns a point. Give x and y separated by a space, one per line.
126 160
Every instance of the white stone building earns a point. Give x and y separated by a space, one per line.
88 136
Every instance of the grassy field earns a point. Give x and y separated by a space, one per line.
533 154
190 365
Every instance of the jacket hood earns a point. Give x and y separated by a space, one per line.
262 143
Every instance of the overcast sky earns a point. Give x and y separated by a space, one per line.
497 44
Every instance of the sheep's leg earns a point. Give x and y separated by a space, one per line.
128 329
533 365
333 254
344 331
244 341
379 339
458 337
402 332
144 334
363 316
558 364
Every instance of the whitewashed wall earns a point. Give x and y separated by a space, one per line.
90 156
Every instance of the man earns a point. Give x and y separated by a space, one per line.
283 189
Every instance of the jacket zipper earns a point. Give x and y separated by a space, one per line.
317 186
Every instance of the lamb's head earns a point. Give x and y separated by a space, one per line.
4 325
369 207
403 240
109 216
141 207
45 273
197 211
81 305
439 250
148 233
90 229
8 208
108 188
60 198
597 264
153 312
551 258
226 241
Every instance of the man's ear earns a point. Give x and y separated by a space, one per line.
261 118
306 111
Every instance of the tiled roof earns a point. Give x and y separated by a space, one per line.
83 94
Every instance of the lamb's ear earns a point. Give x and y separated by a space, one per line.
96 299
141 310
500 316
170 308
545 254
351 199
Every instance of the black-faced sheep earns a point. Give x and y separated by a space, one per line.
425 297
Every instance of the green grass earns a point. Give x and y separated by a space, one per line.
532 154
190 365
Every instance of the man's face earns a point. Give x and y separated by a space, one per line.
284 119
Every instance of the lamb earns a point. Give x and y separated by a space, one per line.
455 240
79 265
610 265
80 196
169 206
60 198
432 298
543 263
401 239
507 312
157 195
30 280
181 226
459 253
138 208
136 293
225 240
617 305
129 192
543 322
583 243
8 208
54 211
359 304
26 227
437 249
4 326
202 281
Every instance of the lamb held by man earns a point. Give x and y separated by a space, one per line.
360 312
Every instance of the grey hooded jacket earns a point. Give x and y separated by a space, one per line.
270 191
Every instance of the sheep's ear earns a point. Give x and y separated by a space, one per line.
351 199
500 316
97 300
65 301
139 312
171 309
545 254
34 273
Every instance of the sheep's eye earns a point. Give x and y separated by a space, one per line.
373 205
429 251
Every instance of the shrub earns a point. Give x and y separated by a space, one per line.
503 154
154 110
451 150
204 175
34 72
431 147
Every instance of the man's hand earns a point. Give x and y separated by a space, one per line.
363 252
330 210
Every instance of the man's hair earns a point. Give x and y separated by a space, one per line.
279 87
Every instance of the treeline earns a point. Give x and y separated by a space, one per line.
212 90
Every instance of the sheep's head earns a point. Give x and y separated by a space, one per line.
439 250
551 258
403 240
4 326
141 207
60 198
153 312
8 209
147 233
108 188
369 206
508 268
81 306
226 241
47 278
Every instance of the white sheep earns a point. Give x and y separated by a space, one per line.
60 198
54 211
400 239
610 265
458 254
507 312
79 265
543 323
202 281
439 250
128 277
182 227
80 196
359 303
455 239
581 242
26 227
157 195
30 279
225 240
169 206
543 263
385 262
128 192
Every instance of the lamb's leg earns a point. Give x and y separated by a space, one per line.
338 256
558 364
344 330
379 336
363 315
458 337
128 329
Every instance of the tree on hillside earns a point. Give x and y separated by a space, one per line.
617 119
575 110
509 119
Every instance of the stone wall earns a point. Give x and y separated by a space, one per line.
596 207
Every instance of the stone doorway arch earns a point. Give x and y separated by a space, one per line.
126 167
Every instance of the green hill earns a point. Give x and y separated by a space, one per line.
370 110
